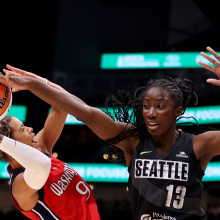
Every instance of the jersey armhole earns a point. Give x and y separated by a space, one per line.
193 156
136 152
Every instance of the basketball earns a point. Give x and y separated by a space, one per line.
5 100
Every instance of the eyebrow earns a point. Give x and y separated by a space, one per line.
159 99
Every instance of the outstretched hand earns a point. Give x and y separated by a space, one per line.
215 69
16 83
13 71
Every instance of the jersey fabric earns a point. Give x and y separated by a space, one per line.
166 186
64 196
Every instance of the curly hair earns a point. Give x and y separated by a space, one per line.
128 109
5 130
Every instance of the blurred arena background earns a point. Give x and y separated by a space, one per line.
65 40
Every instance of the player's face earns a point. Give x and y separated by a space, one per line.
159 111
22 133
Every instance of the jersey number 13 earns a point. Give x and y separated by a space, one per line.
179 199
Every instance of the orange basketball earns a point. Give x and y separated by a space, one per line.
5 100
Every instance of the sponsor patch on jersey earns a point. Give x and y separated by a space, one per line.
182 154
145 152
145 217
161 169
157 216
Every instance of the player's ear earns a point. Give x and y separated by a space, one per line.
179 111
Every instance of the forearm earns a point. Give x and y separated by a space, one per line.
54 85
98 121
59 99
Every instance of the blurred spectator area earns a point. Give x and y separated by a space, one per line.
79 144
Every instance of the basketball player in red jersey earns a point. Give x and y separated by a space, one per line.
43 187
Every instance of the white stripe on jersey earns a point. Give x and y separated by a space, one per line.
40 202
38 214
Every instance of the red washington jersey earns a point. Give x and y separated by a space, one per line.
64 196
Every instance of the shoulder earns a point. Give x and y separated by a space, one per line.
206 138
207 145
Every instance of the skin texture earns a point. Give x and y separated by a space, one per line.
159 111
43 141
22 133
205 145
25 196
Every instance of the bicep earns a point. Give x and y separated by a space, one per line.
25 196
103 125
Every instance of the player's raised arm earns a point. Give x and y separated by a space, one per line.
103 125
53 126
207 144
215 69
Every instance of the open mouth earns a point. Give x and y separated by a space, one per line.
33 141
152 125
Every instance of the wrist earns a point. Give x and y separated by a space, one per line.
31 83
46 81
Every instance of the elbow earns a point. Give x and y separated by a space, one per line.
37 179
43 166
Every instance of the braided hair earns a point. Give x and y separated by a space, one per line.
5 130
128 109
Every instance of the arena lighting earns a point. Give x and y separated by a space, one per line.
95 172
105 156
55 154
152 60
204 115
18 111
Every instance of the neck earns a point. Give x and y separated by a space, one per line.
164 143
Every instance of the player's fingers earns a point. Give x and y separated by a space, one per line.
11 72
208 67
2 79
15 69
7 76
212 60
213 53
14 74
213 81
5 71
15 90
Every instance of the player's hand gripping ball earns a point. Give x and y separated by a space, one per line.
5 100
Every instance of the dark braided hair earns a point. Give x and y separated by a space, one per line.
5 130
179 89
128 109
